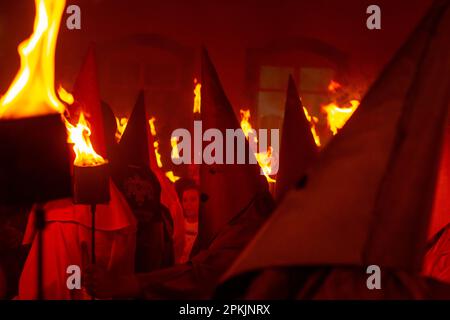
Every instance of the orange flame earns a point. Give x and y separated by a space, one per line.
65 96
264 159
333 86
338 116
197 97
313 121
175 152
85 155
32 92
151 122
245 124
265 162
121 125
169 174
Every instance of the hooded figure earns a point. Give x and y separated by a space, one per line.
68 226
219 183
170 200
368 199
132 174
87 100
198 278
298 149
437 262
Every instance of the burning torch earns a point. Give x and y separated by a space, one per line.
90 173
35 164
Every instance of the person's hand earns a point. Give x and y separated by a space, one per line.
97 282
102 285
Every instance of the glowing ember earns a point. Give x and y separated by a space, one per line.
121 125
338 116
32 92
65 96
265 159
85 155
313 121
197 97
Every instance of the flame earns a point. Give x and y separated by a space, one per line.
333 86
197 97
85 155
157 154
155 143
65 96
121 125
338 116
32 92
152 126
169 174
313 121
245 123
265 162
175 152
264 159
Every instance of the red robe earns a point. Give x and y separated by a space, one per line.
67 227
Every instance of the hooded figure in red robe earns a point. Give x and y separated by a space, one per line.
133 176
298 149
198 278
169 200
368 199
68 226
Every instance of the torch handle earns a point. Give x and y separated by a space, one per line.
93 209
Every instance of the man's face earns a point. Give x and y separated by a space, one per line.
191 203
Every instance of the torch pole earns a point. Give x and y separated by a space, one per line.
90 188
93 259
40 224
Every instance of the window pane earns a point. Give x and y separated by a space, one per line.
274 77
270 103
315 79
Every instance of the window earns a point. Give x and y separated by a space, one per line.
312 84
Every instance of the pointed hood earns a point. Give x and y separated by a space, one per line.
226 188
110 128
441 208
298 149
368 198
133 147
87 99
